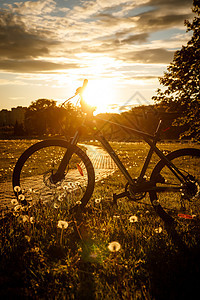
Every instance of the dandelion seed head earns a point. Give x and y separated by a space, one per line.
17 189
116 217
14 202
62 224
158 230
114 246
27 238
21 197
17 207
25 218
32 220
97 201
133 219
56 205
61 197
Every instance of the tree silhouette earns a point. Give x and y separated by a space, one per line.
182 80
44 117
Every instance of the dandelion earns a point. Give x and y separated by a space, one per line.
56 205
62 224
158 230
17 208
14 202
27 238
133 219
97 201
114 246
61 197
21 197
31 220
78 202
116 217
17 189
25 218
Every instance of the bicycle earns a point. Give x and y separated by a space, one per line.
62 170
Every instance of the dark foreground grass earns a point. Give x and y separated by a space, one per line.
40 260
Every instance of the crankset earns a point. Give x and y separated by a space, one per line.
132 195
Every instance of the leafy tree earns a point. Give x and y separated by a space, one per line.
44 117
182 80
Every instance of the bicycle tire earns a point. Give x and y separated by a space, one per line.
34 154
188 160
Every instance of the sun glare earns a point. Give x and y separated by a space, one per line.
99 94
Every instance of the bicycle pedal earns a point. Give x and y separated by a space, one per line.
118 196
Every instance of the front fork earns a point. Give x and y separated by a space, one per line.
60 173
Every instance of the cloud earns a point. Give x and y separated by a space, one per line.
33 7
148 56
34 33
17 42
32 66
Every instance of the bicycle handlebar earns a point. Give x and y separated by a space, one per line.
82 88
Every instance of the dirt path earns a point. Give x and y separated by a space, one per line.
103 165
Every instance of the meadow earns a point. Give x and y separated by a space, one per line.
106 252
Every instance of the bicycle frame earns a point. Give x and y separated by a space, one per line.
150 139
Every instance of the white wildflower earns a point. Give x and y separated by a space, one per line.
21 197
62 224
133 219
17 189
114 246
158 230
97 201
14 202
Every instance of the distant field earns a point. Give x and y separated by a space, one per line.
132 154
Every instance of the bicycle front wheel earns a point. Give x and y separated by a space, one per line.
174 198
34 169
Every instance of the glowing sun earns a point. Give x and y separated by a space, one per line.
99 93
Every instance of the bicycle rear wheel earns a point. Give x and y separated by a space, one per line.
177 200
36 165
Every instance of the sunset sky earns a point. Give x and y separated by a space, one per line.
47 48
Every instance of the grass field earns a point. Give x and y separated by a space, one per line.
41 259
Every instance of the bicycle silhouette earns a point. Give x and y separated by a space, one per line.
59 169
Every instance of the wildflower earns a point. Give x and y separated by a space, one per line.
62 224
116 217
133 219
61 197
17 189
17 208
21 197
25 218
158 230
97 201
114 246
27 238
56 205
14 202
78 202
32 220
